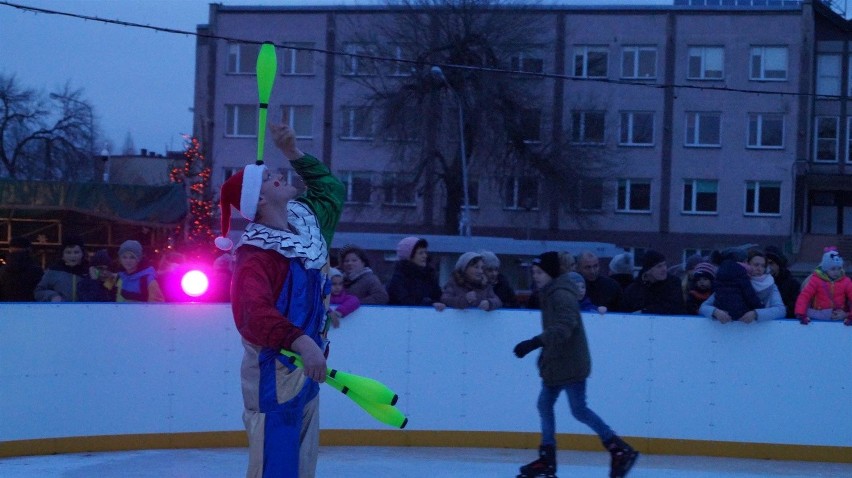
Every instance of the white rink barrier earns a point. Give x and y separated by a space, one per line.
165 373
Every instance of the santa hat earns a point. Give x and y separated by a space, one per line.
241 191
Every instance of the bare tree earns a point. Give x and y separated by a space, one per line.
477 45
45 137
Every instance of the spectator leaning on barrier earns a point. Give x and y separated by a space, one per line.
467 286
342 303
654 291
586 304
776 264
413 282
59 282
359 279
621 269
733 294
137 280
93 288
602 290
702 287
501 286
827 292
20 276
565 364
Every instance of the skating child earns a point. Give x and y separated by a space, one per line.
564 364
827 293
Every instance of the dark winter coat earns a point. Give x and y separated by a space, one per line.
663 297
565 354
734 292
61 280
19 278
789 288
505 292
411 284
606 292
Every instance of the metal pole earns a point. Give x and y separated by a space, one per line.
464 214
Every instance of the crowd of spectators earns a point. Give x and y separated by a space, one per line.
735 284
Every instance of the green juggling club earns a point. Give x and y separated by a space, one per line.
267 68
367 388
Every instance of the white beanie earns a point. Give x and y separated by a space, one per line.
831 259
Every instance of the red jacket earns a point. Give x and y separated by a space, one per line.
820 292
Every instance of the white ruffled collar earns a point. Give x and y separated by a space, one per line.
304 240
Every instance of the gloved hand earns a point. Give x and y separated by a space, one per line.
804 319
527 346
848 321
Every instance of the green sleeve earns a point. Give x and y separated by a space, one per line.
324 194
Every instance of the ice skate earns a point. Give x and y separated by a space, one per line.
543 467
623 456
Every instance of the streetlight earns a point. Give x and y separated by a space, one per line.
91 119
464 216
105 157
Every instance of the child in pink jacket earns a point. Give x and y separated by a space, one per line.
342 302
827 293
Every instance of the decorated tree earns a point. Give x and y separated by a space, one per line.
194 238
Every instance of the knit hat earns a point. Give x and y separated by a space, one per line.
704 269
490 260
650 259
575 277
830 259
621 264
334 272
241 191
692 261
131 246
775 255
466 259
406 247
101 258
549 263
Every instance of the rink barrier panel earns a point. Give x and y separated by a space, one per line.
98 377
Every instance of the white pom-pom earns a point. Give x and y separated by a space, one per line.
223 243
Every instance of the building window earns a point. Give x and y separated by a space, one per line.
849 139
587 127
358 186
763 198
399 68
357 123
827 135
242 58
706 63
590 61
768 63
702 129
531 125
637 128
520 193
297 60
399 189
634 195
639 62
241 120
300 118
356 65
828 75
526 62
591 193
765 131
700 196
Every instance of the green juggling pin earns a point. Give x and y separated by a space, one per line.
366 388
267 68
387 414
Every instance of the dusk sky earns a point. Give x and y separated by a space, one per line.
139 81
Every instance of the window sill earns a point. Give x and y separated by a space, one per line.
700 213
354 138
771 148
776 215
769 80
299 74
240 136
627 211
706 79
400 205
702 146
636 145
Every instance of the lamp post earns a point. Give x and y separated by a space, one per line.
105 157
91 119
464 215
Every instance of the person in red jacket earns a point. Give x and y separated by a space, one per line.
278 302
827 293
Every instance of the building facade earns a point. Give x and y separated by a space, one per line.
728 121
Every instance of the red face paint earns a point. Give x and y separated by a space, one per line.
276 184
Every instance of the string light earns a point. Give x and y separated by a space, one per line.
443 66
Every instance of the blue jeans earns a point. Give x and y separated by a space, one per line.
577 400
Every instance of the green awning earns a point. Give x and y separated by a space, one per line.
131 204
